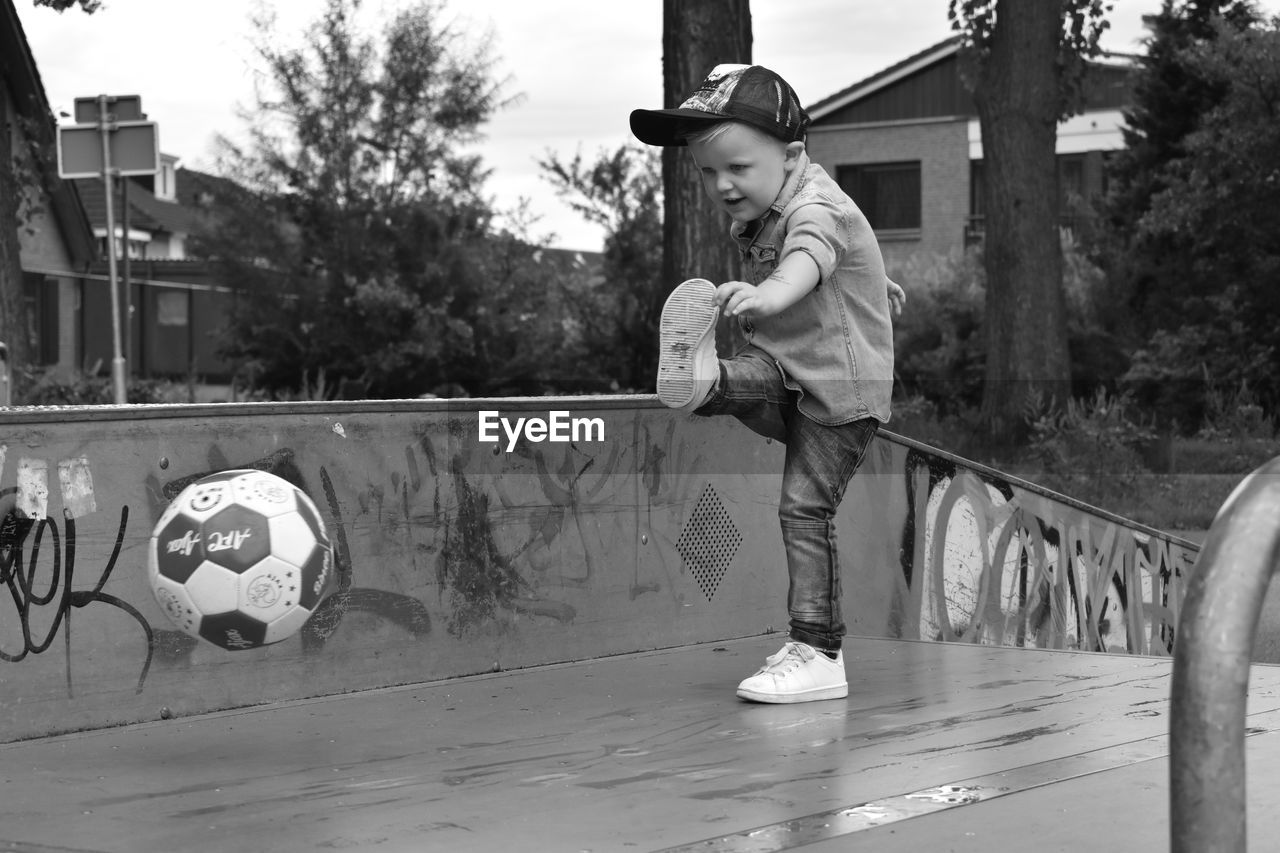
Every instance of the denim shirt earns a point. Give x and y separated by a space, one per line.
834 346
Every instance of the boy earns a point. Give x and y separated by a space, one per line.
817 372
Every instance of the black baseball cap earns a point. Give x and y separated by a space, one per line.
751 94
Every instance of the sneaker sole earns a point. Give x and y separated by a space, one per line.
688 316
815 695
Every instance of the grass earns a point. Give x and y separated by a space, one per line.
1173 502
1099 453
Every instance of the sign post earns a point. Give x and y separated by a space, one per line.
120 142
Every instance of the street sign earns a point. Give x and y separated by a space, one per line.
134 149
123 107
110 140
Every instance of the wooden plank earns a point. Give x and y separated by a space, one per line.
644 751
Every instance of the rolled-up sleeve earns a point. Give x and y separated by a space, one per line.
822 230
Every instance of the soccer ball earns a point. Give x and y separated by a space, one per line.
241 559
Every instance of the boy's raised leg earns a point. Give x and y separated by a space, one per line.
687 362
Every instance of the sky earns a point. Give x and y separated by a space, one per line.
576 68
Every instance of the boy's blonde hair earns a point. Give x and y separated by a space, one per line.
703 133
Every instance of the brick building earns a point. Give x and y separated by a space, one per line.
905 144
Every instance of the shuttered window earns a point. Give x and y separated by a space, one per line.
887 193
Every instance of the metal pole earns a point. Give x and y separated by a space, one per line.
6 387
1213 648
117 361
126 277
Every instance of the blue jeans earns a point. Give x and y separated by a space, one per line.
820 461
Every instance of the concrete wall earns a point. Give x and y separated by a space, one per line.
457 555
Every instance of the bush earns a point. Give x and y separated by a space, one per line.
44 386
940 343
1090 437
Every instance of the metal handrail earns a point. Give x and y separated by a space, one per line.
1213 648
6 377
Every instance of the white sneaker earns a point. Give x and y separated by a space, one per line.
797 673
687 362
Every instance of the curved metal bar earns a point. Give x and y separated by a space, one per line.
1214 643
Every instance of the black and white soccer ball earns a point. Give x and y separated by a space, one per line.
241 559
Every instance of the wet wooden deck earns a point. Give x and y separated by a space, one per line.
938 747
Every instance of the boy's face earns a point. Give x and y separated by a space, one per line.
743 170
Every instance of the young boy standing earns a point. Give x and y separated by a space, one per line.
817 372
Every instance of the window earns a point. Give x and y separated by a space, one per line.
1071 189
888 193
172 307
977 188
1074 194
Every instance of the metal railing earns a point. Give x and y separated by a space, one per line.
6 383
1212 653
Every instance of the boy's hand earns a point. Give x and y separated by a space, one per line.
897 298
741 299
795 276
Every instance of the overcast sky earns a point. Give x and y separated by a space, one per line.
579 66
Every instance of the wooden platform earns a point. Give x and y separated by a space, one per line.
939 747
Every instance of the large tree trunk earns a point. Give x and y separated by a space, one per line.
1017 97
13 325
697 35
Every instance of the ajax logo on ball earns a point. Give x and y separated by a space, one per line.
264 591
229 541
185 545
208 496
236 640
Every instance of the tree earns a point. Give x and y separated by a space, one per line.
15 177
1149 267
13 323
1215 205
621 192
697 35
1170 97
356 251
1025 61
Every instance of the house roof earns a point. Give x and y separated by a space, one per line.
920 61
886 77
18 71
146 212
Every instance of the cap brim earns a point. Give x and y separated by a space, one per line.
669 127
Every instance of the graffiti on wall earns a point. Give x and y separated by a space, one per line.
481 541
988 561
38 564
488 533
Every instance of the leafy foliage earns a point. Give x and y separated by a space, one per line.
940 341
622 192
1098 435
88 6
1196 215
1170 98
361 244
1084 23
39 386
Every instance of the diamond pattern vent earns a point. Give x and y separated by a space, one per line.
708 542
